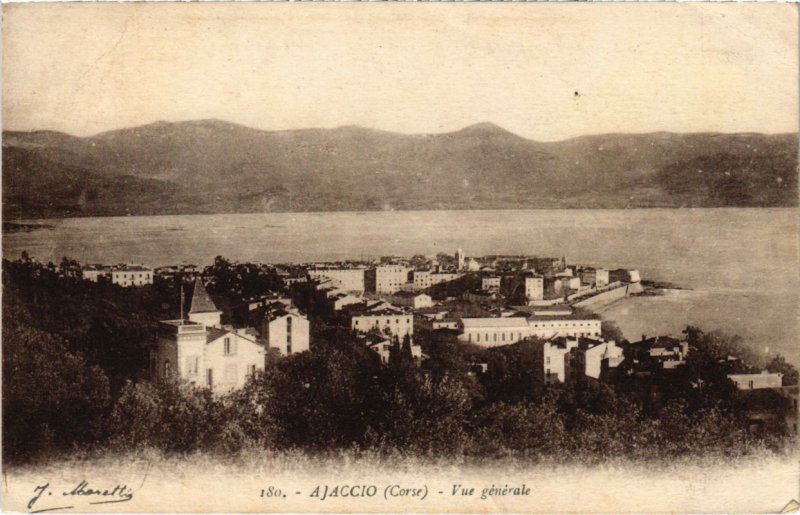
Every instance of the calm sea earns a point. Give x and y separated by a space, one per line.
740 265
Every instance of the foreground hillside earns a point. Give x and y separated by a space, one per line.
214 167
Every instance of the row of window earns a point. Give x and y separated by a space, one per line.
493 338
386 321
558 324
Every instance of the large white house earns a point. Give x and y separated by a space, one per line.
203 352
131 275
387 278
287 330
389 322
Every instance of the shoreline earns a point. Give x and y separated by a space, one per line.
35 220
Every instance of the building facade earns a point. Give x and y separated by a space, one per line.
387 278
384 322
201 351
534 288
286 330
493 331
757 381
552 326
423 279
131 275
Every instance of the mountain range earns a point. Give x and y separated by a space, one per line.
211 166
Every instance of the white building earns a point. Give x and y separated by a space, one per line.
534 288
203 352
348 279
586 357
286 330
596 351
387 278
425 278
491 331
388 322
757 381
131 275
494 331
554 362
412 300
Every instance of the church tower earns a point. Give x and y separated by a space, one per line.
203 310
460 259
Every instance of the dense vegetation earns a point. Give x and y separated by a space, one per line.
75 354
211 166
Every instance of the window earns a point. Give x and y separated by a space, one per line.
228 346
547 360
192 364
503 336
210 377
251 370
750 384
167 368
288 348
495 336
469 337
477 337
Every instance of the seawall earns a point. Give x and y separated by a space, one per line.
610 295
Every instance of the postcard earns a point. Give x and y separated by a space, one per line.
400 257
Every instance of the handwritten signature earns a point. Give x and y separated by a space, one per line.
83 491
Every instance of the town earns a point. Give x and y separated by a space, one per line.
444 355
388 303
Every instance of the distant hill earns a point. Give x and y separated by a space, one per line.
211 166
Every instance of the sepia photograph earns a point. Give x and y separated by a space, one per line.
400 257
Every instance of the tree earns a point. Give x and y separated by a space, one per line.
609 330
52 398
781 366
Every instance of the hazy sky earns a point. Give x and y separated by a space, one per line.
86 68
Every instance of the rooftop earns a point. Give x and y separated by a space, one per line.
201 302
494 322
